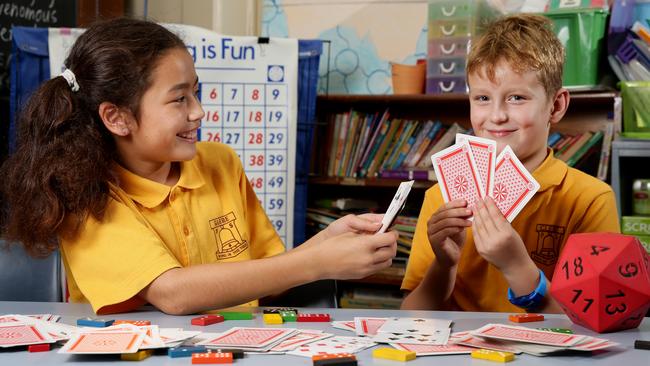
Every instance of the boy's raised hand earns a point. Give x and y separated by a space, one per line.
352 255
446 231
495 238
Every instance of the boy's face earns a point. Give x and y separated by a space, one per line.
513 110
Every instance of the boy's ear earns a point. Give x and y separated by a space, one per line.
560 105
116 119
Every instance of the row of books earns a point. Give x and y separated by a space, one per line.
364 145
573 148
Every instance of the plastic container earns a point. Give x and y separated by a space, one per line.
446 66
443 47
442 28
582 32
441 9
636 107
446 84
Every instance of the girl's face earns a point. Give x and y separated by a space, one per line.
170 115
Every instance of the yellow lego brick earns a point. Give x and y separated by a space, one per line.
272 318
138 356
393 354
497 356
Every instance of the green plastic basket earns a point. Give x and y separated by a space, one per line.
636 108
582 32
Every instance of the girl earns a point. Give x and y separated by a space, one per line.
108 166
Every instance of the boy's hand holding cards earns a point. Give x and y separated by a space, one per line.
470 170
396 205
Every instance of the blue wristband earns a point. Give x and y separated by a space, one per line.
533 299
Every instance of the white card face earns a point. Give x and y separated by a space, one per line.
368 326
414 325
484 152
343 324
438 337
396 205
302 337
514 186
336 344
457 175
433 350
103 343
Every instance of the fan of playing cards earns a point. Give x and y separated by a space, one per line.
470 170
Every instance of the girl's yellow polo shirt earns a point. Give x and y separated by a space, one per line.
210 215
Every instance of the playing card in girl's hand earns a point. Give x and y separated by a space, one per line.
457 174
514 186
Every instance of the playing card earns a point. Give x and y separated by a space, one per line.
396 205
487 343
484 152
302 337
15 334
248 337
457 175
368 326
103 342
514 186
337 344
343 324
438 337
433 350
414 325
521 334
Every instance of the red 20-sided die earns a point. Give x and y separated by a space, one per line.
602 281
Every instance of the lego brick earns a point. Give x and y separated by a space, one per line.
526 318
313 317
341 361
138 356
95 322
328 356
489 355
236 315
211 358
44 347
236 353
177 352
289 316
272 319
641 344
393 354
204 320
557 330
139 323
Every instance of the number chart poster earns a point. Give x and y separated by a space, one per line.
249 94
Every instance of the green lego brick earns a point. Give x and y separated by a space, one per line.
288 316
236 315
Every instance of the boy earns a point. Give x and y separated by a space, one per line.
514 74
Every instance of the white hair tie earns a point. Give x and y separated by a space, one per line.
68 75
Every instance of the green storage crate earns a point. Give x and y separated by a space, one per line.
635 225
582 32
636 108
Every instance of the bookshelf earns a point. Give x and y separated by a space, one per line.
588 111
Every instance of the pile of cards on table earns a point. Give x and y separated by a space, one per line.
470 170
24 330
400 330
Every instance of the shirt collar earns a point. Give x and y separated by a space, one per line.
551 172
151 194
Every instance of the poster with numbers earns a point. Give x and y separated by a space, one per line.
249 93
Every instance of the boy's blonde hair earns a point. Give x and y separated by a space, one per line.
527 43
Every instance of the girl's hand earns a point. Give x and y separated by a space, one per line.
495 239
351 255
366 223
446 232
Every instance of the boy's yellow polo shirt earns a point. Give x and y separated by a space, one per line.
568 201
211 215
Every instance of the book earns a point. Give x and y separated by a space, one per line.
335 143
349 143
402 139
570 141
595 138
381 152
445 141
576 145
424 131
361 143
345 204
605 151
408 174
554 138
381 124
407 147
340 150
429 139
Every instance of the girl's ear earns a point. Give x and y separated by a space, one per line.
116 119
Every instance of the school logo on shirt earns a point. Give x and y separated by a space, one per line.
229 240
549 239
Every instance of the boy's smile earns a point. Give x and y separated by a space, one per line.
514 109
